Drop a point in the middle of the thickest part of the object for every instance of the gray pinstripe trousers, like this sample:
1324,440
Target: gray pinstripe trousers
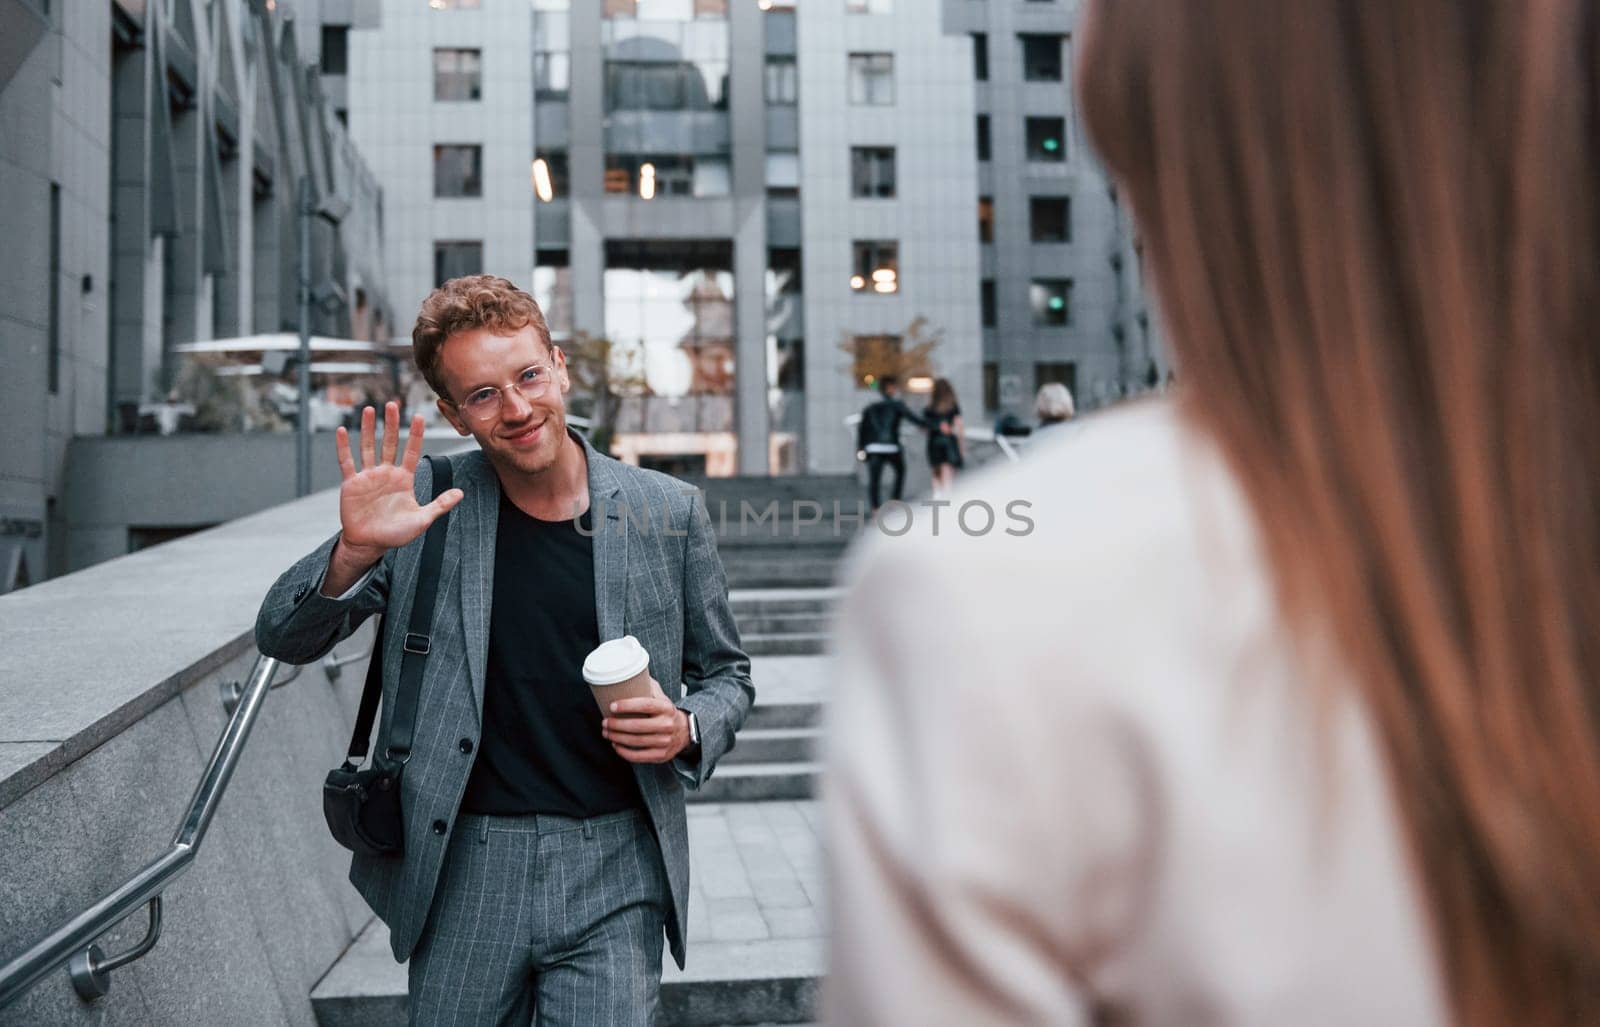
544,920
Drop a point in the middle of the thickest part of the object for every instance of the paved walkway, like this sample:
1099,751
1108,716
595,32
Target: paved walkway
755,895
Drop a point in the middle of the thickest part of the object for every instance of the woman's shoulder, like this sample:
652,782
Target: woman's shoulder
1127,533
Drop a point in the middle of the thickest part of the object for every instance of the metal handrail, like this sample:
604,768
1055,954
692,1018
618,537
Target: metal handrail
71,942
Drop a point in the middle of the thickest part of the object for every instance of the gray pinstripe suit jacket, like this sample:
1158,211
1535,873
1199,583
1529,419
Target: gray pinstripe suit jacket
665,587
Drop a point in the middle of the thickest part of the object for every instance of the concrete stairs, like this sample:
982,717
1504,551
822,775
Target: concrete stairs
783,532
773,759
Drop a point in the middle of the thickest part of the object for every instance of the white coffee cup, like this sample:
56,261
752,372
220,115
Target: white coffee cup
618,669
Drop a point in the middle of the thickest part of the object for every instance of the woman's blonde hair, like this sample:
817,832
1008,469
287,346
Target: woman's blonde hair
1054,403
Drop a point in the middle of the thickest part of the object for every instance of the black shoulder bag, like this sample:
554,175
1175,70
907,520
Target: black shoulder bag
362,807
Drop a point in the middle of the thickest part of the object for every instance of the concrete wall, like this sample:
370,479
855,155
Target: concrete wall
25,173
114,484
109,710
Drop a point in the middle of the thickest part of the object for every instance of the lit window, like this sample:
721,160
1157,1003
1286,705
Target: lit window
1051,299
876,266
1047,139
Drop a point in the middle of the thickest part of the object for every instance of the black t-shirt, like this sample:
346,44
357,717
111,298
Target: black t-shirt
542,751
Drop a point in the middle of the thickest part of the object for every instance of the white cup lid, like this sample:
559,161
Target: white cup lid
615,661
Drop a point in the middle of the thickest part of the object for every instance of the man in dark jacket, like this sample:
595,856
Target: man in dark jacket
878,439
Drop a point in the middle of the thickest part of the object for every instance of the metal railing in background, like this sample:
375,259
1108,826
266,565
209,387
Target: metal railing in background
71,944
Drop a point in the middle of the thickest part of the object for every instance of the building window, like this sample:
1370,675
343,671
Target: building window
1051,299
983,137
664,86
458,171
1041,57
783,174
872,79
53,317
550,175
872,172
552,290
876,266
1062,372
875,357
335,49
986,302
786,364
1047,139
454,259
783,81
991,385
986,219
1050,218
457,75
868,6
552,75
665,10
552,56
980,56
651,175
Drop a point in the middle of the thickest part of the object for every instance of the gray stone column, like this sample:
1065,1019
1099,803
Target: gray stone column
586,164
747,116
132,363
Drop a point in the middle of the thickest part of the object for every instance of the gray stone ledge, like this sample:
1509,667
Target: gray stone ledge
85,656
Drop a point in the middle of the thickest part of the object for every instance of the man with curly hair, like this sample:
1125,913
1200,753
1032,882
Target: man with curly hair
546,847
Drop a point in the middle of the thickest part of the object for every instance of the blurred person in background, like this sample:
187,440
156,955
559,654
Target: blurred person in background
1053,405
1292,713
947,447
878,440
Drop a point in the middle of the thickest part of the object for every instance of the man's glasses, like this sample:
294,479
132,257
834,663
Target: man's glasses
484,404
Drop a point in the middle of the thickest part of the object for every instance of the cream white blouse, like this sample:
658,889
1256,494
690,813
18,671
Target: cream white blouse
1078,766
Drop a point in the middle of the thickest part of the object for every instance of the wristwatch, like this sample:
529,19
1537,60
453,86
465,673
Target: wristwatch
694,728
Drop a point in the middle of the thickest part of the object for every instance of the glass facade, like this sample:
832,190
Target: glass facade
786,362
552,290
666,99
669,317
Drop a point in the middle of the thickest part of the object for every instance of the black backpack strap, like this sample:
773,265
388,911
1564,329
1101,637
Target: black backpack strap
414,650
